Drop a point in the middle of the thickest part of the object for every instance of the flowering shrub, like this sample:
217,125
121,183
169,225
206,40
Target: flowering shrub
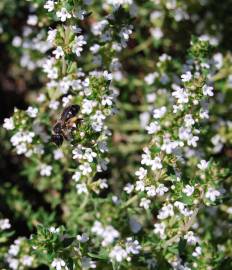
125,146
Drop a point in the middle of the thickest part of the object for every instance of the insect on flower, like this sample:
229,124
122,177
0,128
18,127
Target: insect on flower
65,125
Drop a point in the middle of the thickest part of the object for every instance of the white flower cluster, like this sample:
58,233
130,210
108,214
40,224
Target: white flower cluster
108,234
13,256
4,224
95,110
22,140
119,253
153,165
59,264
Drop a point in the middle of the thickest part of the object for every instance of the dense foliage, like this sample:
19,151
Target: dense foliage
122,159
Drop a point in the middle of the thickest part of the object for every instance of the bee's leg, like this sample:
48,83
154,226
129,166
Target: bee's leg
66,135
79,121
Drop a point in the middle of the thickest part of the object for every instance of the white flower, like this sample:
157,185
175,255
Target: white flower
32,112
204,114
197,252
95,48
85,168
27,260
87,106
203,165
22,137
161,189
109,234
146,158
97,228
164,57
189,121
191,238
89,154
66,100
118,254
32,20
159,113
166,211
64,85
17,41
49,5
78,44
102,145
107,100
14,249
76,177
63,14
83,238
103,183
58,52
132,247
59,264
186,77
159,229
81,188
141,173
207,90
144,119
193,141
218,60
125,34
107,75
188,190
53,229
13,263
153,128
151,97
77,153
58,154
128,188
5,224
179,205
212,194
139,186
9,123
145,203
151,191
87,263
54,104
157,33
156,163
150,78
45,170
181,95
51,35
184,133
168,146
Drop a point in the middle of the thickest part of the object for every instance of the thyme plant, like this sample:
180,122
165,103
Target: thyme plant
140,176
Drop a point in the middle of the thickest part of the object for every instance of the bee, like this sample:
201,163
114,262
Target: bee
65,125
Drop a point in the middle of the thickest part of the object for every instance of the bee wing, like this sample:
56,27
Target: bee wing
57,128
70,112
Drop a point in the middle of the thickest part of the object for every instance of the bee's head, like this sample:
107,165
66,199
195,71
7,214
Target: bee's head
74,109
